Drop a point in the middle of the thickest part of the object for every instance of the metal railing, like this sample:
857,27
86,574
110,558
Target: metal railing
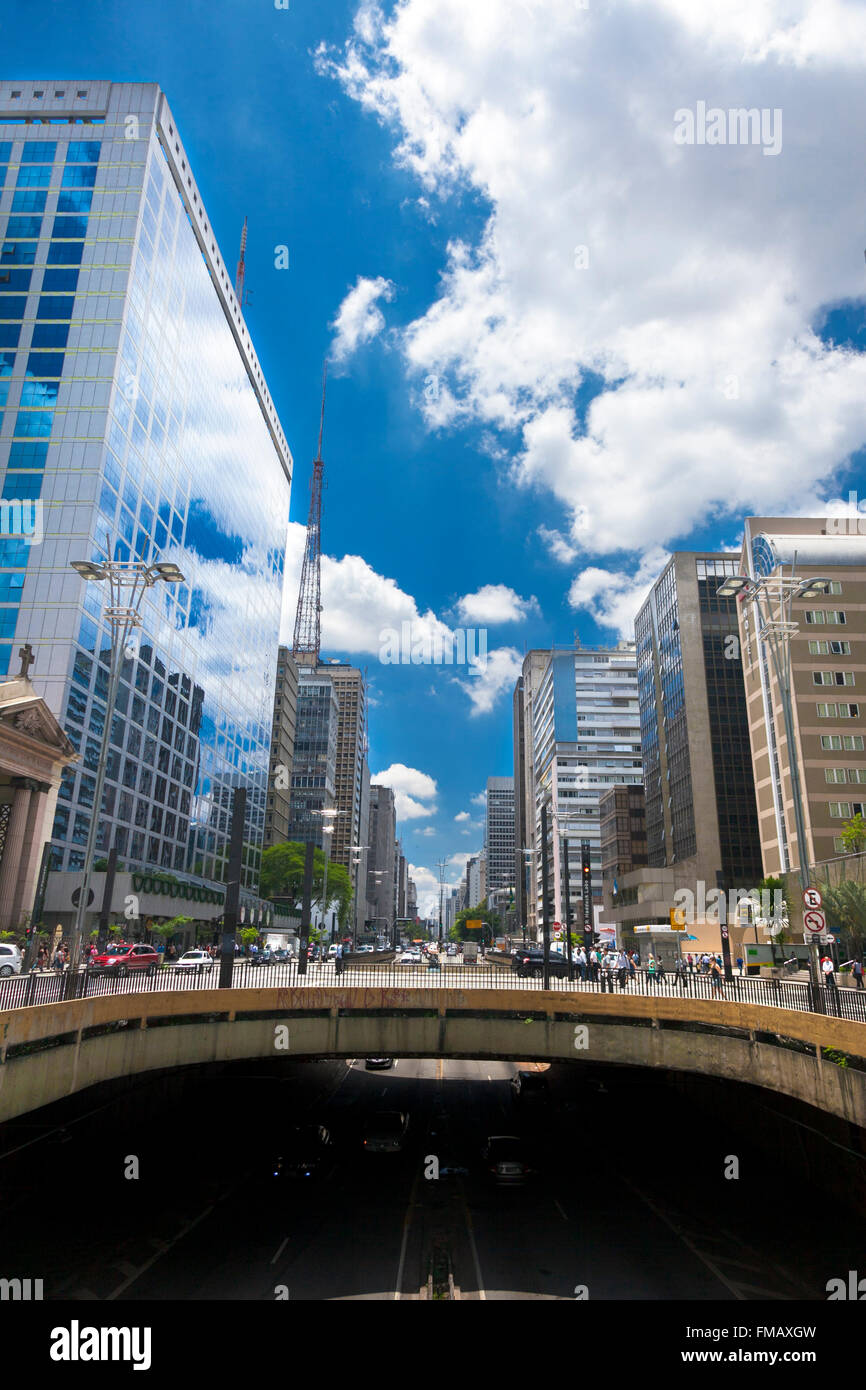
51,987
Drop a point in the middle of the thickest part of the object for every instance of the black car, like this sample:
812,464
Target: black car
530,1085
506,1159
378,1063
308,1152
529,960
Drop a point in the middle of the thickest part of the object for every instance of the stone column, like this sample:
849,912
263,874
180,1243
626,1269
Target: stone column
32,850
10,865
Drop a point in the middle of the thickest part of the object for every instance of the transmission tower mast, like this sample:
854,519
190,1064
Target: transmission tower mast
308,634
240,276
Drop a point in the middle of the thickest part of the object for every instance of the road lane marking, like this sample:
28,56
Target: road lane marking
158,1255
280,1251
407,1221
732,1288
474,1248
559,1209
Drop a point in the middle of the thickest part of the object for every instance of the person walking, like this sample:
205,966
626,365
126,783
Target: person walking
632,969
829,972
716,976
338,959
691,960
581,963
857,972
680,972
593,965
622,968
40,958
660,971
58,958
740,964
651,969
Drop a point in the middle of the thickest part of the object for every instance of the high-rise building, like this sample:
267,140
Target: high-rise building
136,415
283,730
700,794
499,834
381,874
476,879
622,833
315,760
585,738
526,691
411,899
828,675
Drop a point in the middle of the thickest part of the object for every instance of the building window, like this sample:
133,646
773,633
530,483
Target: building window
833,677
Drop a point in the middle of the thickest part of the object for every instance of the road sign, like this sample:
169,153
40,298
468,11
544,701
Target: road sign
812,897
813,920
558,934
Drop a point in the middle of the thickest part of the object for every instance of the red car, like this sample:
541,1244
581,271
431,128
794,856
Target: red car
123,960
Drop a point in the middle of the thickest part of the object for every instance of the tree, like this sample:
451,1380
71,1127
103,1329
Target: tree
772,885
854,835
845,906
460,931
282,877
167,929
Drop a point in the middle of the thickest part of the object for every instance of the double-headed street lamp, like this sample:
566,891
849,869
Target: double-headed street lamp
772,597
128,581
328,829
357,852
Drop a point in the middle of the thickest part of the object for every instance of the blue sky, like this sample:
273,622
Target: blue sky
568,344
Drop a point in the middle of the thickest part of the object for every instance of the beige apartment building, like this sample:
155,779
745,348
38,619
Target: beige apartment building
828,680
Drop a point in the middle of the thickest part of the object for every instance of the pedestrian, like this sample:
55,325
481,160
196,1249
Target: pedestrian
58,958
632,969
660,971
338,959
651,969
828,969
857,972
691,960
40,958
581,963
593,965
622,968
680,972
740,964
716,975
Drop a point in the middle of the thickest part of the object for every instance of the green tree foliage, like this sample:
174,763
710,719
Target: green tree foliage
282,877
854,835
460,931
845,906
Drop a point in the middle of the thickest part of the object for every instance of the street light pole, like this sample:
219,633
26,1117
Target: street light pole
545,903
135,577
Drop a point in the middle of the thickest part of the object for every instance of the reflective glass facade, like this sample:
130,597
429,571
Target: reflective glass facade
133,407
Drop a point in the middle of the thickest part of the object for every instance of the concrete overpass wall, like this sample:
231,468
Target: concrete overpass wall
49,1052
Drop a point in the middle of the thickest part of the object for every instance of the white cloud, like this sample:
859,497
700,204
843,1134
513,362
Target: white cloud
560,549
427,831
479,799
492,679
359,319
462,815
411,789
706,268
613,598
495,603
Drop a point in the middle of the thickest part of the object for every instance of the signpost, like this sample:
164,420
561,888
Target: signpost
814,921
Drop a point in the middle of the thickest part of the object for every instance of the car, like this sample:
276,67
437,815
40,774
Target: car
529,961
385,1131
409,958
123,959
333,949
506,1160
530,1085
307,1152
378,1063
11,959
195,960
452,950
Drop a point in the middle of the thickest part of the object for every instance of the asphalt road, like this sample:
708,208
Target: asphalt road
629,1200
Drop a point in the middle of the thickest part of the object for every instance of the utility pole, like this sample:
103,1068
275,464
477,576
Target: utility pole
545,898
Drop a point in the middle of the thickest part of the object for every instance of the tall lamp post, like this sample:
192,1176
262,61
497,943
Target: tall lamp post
327,829
357,853
442,863
772,597
527,872
127,581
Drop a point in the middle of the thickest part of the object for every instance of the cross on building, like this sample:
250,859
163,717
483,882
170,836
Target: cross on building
27,659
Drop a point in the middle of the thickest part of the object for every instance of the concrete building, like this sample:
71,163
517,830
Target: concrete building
499,834
476,879
283,730
411,899
584,737
315,759
828,676
352,779
701,815
136,411
401,879
525,848
381,874
622,833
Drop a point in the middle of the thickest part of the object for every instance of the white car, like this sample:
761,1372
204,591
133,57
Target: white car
195,960
10,959
409,958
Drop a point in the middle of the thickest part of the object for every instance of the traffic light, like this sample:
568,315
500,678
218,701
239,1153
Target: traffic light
28,933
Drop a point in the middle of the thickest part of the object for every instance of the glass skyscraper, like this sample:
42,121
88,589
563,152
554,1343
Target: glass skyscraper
134,409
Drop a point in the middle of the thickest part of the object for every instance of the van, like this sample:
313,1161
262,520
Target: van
11,959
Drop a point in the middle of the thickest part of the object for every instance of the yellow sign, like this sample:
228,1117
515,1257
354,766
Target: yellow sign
678,918
474,926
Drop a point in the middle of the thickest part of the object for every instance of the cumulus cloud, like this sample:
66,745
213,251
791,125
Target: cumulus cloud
559,548
613,599
462,815
411,790
636,318
492,679
495,603
359,319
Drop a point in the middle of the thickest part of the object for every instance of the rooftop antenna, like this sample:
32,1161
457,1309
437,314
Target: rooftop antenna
308,626
242,295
